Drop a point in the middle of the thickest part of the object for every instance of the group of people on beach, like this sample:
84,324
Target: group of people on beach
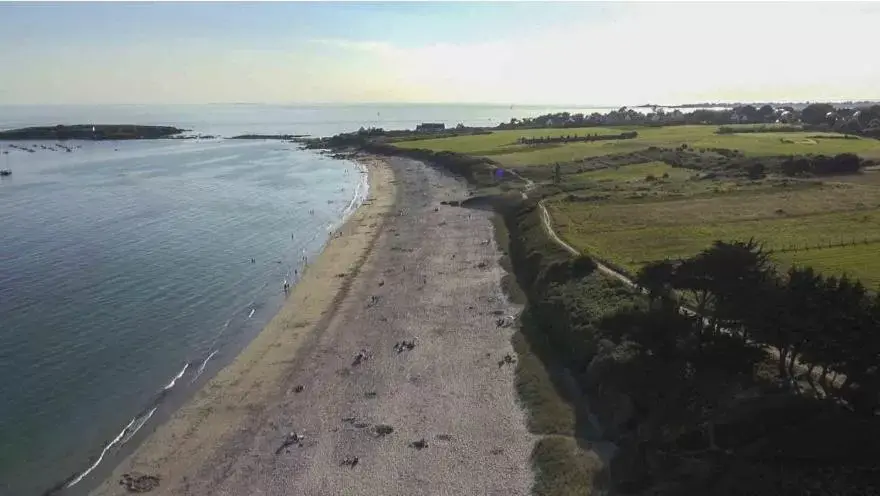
285,286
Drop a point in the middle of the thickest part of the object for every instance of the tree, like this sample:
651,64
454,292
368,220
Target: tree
748,112
815,113
755,171
656,278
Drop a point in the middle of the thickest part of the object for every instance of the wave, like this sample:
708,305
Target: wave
134,428
130,429
202,367
361,192
107,447
178,376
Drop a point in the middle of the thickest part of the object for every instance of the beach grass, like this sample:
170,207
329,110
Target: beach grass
503,147
562,468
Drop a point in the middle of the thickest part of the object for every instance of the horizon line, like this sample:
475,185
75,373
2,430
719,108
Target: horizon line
473,104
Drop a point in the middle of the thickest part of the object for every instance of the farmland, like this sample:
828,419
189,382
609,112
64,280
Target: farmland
503,146
639,212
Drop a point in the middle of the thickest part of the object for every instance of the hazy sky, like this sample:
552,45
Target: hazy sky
525,53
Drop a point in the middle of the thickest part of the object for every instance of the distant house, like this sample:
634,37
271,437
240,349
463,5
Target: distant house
430,127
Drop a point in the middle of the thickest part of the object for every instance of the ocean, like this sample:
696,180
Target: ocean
131,272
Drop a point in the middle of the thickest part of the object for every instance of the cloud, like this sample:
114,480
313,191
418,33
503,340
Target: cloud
635,53
655,52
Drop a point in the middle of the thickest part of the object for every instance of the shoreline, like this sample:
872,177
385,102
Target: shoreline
256,376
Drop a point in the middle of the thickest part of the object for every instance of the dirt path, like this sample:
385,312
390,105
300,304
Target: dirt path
548,226
432,279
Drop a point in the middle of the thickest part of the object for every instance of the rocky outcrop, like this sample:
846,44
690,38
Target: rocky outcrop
95,132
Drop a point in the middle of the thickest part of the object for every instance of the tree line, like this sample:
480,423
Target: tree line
829,324
863,121
571,139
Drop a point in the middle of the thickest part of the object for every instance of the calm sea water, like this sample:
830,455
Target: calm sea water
126,278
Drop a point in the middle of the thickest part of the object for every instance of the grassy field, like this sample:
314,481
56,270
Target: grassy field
502,146
620,214
636,172
635,233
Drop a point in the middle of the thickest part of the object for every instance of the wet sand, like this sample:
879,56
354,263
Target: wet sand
399,271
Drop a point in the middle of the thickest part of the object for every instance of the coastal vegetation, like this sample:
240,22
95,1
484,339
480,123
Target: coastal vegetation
671,191
95,132
730,404
766,230
505,147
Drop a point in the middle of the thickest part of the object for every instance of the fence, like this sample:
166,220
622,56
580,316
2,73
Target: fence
792,248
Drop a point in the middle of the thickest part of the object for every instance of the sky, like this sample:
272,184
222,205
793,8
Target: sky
621,53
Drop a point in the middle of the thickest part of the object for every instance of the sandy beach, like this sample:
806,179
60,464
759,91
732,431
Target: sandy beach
439,416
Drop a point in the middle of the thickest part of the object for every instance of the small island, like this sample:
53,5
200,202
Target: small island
288,137
94,132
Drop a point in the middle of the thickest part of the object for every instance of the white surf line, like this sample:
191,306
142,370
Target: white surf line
138,426
202,366
178,376
101,456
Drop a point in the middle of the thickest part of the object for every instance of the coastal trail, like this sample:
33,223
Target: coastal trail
399,386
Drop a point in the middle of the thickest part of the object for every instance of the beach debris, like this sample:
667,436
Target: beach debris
374,300
290,440
497,451
497,312
298,388
359,358
402,346
484,242
381,283
444,437
370,394
420,444
436,209
505,321
482,265
361,425
139,483
350,461
382,430
507,360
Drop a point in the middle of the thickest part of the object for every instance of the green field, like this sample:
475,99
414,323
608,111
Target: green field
633,234
636,213
502,146
636,172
